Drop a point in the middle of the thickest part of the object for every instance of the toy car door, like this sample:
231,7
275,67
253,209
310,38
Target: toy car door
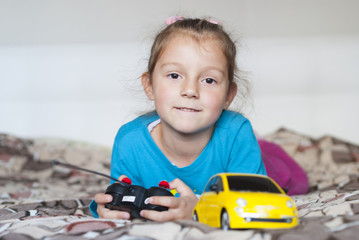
214,202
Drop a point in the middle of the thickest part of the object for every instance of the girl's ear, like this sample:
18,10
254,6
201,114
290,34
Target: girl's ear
232,92
147,85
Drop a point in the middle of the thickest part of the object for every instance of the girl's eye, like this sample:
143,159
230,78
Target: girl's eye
174,75
209,81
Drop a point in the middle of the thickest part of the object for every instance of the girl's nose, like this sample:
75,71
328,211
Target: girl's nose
189,89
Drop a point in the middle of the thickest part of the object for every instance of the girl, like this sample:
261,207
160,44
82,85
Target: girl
191,135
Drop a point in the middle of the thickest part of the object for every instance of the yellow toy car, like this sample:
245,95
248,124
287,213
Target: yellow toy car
243,201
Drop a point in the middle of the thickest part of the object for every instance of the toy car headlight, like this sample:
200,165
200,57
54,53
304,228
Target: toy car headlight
289,204
241,202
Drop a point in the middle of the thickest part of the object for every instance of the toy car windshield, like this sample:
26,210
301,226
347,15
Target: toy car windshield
249,183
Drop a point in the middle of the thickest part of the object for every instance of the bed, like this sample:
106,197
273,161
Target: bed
42,201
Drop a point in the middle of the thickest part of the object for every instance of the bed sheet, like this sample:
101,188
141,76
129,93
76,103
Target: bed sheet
40,201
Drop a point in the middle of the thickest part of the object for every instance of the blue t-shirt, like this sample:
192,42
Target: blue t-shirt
232,148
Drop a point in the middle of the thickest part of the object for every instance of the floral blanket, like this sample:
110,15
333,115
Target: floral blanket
42,201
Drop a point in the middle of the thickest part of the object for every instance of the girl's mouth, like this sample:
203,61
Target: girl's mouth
187,109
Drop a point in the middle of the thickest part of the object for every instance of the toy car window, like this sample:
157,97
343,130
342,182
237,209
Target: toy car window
248,183
210,183
214,181
219,183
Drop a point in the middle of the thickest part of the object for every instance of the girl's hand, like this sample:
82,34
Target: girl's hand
101,199
179,207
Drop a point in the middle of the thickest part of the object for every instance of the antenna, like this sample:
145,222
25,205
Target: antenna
56,162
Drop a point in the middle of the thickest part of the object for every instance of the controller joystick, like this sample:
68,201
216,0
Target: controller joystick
126,180
133,198
164,184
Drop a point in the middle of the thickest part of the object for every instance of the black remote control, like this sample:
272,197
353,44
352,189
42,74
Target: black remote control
134,198
127,197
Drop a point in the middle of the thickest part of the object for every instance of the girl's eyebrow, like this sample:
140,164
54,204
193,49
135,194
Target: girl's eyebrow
170,64
209,68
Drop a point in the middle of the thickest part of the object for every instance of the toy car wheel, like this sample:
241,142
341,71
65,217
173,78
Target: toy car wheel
225,220
195,216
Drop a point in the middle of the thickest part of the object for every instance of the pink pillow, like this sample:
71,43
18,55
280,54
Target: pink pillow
283,169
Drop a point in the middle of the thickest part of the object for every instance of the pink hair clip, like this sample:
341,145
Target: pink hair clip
213,21
173,19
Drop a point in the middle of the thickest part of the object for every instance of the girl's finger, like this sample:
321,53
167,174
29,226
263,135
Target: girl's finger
170,202
101,198
112,214
122,177
181,187
158,216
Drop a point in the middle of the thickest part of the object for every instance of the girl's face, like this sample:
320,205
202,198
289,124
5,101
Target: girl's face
190,85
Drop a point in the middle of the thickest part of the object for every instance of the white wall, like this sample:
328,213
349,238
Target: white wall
310,85
70,68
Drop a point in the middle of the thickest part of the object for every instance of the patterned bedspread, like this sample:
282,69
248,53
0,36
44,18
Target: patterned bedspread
42,201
